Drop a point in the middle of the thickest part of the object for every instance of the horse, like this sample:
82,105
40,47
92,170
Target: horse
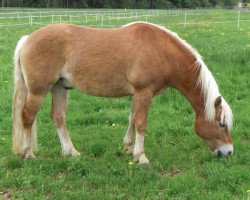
139,59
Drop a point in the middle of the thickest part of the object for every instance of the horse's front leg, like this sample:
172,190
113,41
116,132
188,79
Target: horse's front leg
141,103
58,113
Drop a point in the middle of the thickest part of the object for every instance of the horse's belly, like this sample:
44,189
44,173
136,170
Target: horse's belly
106,91
103,88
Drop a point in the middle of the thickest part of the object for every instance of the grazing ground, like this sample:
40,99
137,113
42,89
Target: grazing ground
182,166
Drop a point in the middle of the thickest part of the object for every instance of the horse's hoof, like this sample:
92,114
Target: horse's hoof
75,153
29,156
142,160
128,149
71,153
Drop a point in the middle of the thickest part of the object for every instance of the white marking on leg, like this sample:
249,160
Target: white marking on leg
128,143
66,144
26,146
128,139
139,154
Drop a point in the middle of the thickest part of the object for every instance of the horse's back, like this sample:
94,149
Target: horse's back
102,62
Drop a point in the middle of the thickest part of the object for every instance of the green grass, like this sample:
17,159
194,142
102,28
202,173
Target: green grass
182,166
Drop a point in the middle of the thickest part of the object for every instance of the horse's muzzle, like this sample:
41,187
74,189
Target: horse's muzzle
224,150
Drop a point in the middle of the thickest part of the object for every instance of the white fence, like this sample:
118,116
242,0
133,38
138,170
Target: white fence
106,18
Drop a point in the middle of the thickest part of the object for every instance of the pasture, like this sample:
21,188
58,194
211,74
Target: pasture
182,167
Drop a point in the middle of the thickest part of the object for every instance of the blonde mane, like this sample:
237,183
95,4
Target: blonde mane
210,91
209,87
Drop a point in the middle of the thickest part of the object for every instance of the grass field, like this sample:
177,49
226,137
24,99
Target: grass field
182,166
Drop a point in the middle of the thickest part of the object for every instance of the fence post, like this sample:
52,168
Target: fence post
102,22
31,20
239,18
185,20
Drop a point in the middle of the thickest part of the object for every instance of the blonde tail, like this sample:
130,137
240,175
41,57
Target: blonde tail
19,99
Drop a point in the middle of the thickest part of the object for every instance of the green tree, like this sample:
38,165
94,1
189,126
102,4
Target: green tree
186,4
230,2
205,3
128,4
163,4
195,4
143,4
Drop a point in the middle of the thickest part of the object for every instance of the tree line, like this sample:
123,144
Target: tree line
129,4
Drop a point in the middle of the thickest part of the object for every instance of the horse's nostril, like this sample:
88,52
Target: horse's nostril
219,153
229,153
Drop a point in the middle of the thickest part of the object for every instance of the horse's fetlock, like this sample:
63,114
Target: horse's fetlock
27,152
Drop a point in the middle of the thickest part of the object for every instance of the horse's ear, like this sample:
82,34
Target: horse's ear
217,101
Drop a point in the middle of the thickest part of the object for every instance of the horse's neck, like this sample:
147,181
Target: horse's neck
187,84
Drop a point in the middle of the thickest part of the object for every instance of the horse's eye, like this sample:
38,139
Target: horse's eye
223,125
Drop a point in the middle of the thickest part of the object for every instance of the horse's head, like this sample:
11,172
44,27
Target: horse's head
216,133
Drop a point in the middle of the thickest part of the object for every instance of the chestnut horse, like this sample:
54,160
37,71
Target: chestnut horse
139,59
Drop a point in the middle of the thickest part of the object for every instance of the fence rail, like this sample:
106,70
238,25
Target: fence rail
103,18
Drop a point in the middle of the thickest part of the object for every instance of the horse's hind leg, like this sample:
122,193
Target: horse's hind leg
29,112
141,103
58,114
128,141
